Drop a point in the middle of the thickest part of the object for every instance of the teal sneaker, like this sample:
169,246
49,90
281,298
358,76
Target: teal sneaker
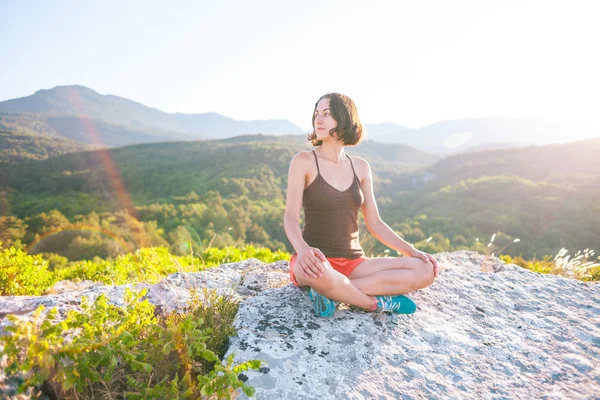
399,304
323,306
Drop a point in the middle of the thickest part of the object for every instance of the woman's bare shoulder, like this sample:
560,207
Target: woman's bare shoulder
360,162
302,157
300,163
362,167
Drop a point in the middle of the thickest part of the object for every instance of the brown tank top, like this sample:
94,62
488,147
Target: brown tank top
331,216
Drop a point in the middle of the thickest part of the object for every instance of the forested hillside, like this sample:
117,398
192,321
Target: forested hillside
219,192
544,195
233,191
15,147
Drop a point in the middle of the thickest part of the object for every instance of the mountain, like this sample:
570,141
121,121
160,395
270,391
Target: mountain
488,146
84,130
450,136
82,102
553,163
389,133
75,111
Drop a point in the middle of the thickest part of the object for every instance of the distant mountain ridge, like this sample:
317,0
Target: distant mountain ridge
553,163
80,101
85,130
127,122
466,134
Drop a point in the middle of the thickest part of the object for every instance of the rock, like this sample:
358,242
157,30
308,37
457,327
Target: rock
510,333
484,329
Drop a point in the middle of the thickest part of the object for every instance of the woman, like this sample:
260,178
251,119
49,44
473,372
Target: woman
332,187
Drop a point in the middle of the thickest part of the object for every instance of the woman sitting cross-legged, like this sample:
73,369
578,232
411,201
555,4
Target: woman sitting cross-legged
331,187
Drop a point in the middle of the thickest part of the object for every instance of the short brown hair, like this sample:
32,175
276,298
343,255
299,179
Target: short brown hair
343,110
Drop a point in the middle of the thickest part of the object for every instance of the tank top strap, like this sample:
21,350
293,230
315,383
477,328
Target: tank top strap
352,165
315,154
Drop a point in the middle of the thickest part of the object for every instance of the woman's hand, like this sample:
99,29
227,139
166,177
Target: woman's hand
427,258
310,260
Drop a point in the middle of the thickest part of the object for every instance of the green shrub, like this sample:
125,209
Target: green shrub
155,263
22,274
145,265
106,351
594,275
55,260
217,256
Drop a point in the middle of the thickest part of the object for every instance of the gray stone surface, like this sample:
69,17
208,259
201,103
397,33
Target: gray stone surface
504,333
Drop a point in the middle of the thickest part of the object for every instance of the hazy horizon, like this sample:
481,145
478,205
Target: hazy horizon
407,64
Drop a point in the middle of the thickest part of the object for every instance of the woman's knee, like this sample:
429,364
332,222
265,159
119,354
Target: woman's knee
424,274
323,282
326,281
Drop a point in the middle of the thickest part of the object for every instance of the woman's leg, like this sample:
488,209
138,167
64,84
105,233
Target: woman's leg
336,286
392,275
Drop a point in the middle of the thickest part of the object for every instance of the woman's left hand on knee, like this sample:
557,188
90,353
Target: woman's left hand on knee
427,258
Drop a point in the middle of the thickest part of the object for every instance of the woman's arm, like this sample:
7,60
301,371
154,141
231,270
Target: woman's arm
380,229
309,258
293,204
375,224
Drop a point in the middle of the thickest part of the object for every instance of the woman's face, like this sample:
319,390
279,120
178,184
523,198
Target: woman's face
324,121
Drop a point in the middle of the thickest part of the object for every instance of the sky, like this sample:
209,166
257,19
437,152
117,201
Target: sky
411,63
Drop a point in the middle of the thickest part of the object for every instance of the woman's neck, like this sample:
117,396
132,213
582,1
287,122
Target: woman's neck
334,153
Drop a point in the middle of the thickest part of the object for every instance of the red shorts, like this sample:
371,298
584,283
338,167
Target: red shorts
344,266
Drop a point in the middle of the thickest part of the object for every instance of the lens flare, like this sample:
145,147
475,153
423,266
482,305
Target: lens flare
113,174
457,139
82,227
